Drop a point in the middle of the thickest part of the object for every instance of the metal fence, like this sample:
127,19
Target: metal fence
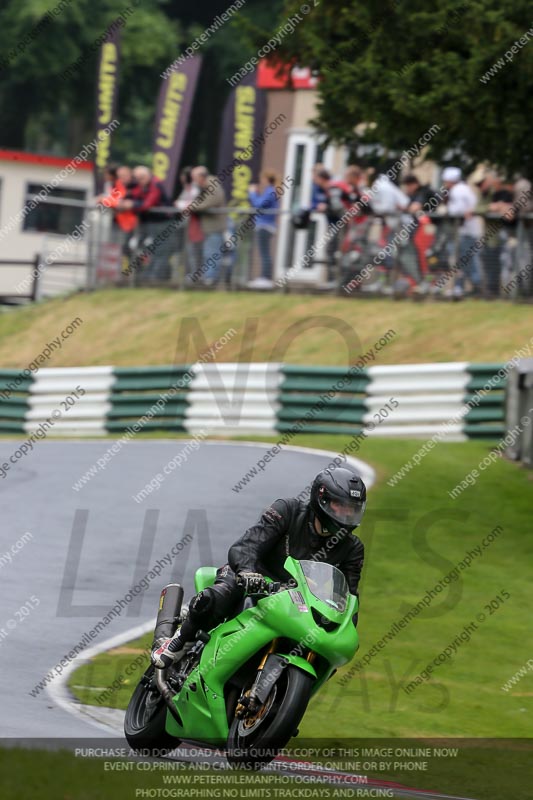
395,255
172,250
366,255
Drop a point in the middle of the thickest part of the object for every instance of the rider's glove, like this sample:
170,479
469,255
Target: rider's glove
253,582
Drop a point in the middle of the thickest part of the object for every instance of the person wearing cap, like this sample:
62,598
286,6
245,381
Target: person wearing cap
462,202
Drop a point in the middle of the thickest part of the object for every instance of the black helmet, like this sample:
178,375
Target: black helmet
338,498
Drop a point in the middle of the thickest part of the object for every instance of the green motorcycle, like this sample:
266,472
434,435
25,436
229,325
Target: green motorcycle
245,685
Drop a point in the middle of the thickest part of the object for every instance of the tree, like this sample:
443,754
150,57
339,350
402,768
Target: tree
44,112
224,53
405,66
38,49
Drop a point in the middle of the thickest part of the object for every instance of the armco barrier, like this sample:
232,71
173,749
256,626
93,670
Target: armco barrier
237,398
87,415
14,400
486,417
428,395
159,394
304,397
260,398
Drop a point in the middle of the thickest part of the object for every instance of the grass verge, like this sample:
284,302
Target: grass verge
36,774
154,326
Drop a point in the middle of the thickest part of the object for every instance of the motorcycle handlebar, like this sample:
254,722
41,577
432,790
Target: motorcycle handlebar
270,588
276,586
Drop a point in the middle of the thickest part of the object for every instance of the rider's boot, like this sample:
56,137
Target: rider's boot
168,651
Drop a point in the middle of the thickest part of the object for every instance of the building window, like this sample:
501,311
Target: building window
50,217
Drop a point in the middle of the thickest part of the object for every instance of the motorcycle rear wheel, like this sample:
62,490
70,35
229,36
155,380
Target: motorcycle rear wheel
250,744
144,723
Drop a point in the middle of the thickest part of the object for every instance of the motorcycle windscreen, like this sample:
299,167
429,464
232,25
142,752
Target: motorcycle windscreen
327,583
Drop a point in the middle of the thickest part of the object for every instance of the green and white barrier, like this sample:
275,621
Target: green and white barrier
14,400
155,396
241,398
427,397
84,413
259,398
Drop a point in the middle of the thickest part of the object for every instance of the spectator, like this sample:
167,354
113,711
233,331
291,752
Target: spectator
387,200
369,176
318,195
354,192
494,199
320,192
345,193
523,203
147,195
412,254
355,182
331,198
120,181
418,195
355,247
192,234
210,198
462,202
264,198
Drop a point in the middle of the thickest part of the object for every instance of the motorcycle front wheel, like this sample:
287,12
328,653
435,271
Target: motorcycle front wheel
144,723
254,741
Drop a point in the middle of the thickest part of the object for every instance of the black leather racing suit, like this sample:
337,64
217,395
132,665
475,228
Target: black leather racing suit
285,528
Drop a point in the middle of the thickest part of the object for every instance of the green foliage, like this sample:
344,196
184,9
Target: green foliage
225,53
46,112
407,66
32,90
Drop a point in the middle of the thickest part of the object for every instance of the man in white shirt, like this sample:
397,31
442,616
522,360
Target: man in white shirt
386,198
387,201
462,201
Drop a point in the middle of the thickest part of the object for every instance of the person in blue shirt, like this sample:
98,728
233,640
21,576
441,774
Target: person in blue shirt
265,199
319,191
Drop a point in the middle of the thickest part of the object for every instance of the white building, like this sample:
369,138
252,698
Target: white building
30,231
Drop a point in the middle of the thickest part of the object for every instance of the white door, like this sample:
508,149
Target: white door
303,152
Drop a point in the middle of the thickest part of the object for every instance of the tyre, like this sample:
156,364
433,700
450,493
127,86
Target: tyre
144,723
252,743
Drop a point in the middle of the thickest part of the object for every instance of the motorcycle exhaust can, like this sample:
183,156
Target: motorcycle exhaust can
169,611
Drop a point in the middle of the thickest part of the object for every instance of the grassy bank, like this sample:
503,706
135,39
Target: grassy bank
150,326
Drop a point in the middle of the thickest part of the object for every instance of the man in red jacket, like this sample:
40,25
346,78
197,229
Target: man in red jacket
148,199
121,180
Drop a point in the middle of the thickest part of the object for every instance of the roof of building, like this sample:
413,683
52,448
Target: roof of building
42,160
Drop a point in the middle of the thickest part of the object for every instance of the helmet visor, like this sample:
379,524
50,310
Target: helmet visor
345,512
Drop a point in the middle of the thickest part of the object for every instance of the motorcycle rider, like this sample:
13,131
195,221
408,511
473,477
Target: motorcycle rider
320,530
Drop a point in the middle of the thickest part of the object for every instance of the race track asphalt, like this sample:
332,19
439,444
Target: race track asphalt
89,547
